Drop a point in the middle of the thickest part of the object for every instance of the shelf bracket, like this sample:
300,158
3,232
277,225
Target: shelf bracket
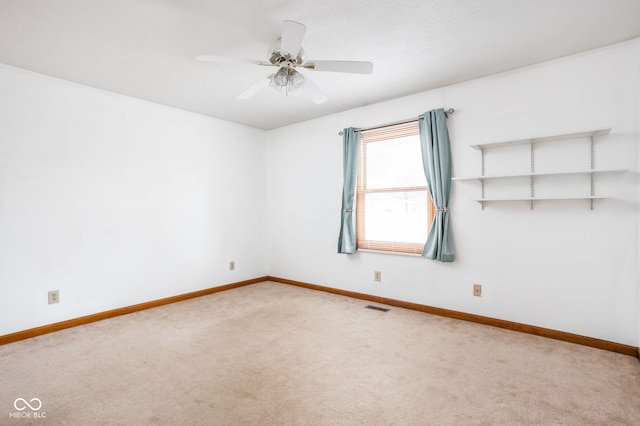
593,164
531,178
482,174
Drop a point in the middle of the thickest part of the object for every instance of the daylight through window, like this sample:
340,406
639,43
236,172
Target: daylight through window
394,210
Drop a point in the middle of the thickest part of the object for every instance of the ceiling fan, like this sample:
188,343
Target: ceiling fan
287,55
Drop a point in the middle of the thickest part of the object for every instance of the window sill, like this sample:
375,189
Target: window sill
397,253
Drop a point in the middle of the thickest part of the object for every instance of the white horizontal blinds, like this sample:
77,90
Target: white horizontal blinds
391,132
393,207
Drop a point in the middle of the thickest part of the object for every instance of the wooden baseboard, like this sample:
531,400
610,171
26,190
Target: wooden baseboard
50,328
523,328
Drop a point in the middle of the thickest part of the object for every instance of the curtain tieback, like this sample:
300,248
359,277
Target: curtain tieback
348,211
444,209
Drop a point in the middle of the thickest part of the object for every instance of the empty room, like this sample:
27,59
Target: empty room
421,212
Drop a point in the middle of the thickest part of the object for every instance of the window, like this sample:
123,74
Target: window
394,210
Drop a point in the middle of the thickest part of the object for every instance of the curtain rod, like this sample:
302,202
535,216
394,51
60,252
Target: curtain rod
396,123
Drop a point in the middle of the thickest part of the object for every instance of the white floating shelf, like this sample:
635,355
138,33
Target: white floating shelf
589,133
562,173
532,174
484,200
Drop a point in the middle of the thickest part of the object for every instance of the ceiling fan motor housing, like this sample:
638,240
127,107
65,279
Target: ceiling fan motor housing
285,60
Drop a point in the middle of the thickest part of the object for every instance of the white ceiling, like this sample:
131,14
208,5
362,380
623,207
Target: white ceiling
146,48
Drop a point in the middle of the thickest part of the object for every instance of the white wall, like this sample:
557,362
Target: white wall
638,224
560,265
116,201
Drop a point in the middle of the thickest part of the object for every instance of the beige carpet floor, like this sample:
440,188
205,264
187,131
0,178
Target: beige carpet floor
273,354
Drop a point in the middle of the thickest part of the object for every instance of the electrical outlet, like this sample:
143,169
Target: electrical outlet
377,276
477,290
232,265
54,297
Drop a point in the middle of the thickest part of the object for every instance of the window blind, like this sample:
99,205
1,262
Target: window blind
393,207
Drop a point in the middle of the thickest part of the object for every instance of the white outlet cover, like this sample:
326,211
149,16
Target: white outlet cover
54,297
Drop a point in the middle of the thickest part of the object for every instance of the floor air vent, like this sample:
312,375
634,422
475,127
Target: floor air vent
377,308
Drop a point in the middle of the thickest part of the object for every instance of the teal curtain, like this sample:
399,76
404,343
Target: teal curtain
347,238
436,160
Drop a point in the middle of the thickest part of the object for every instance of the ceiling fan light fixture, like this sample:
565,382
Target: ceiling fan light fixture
296,80
281,78
287,79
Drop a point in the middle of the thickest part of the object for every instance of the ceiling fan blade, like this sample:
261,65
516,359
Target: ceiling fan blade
314,92
291,40
255,87
214,58
355,67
